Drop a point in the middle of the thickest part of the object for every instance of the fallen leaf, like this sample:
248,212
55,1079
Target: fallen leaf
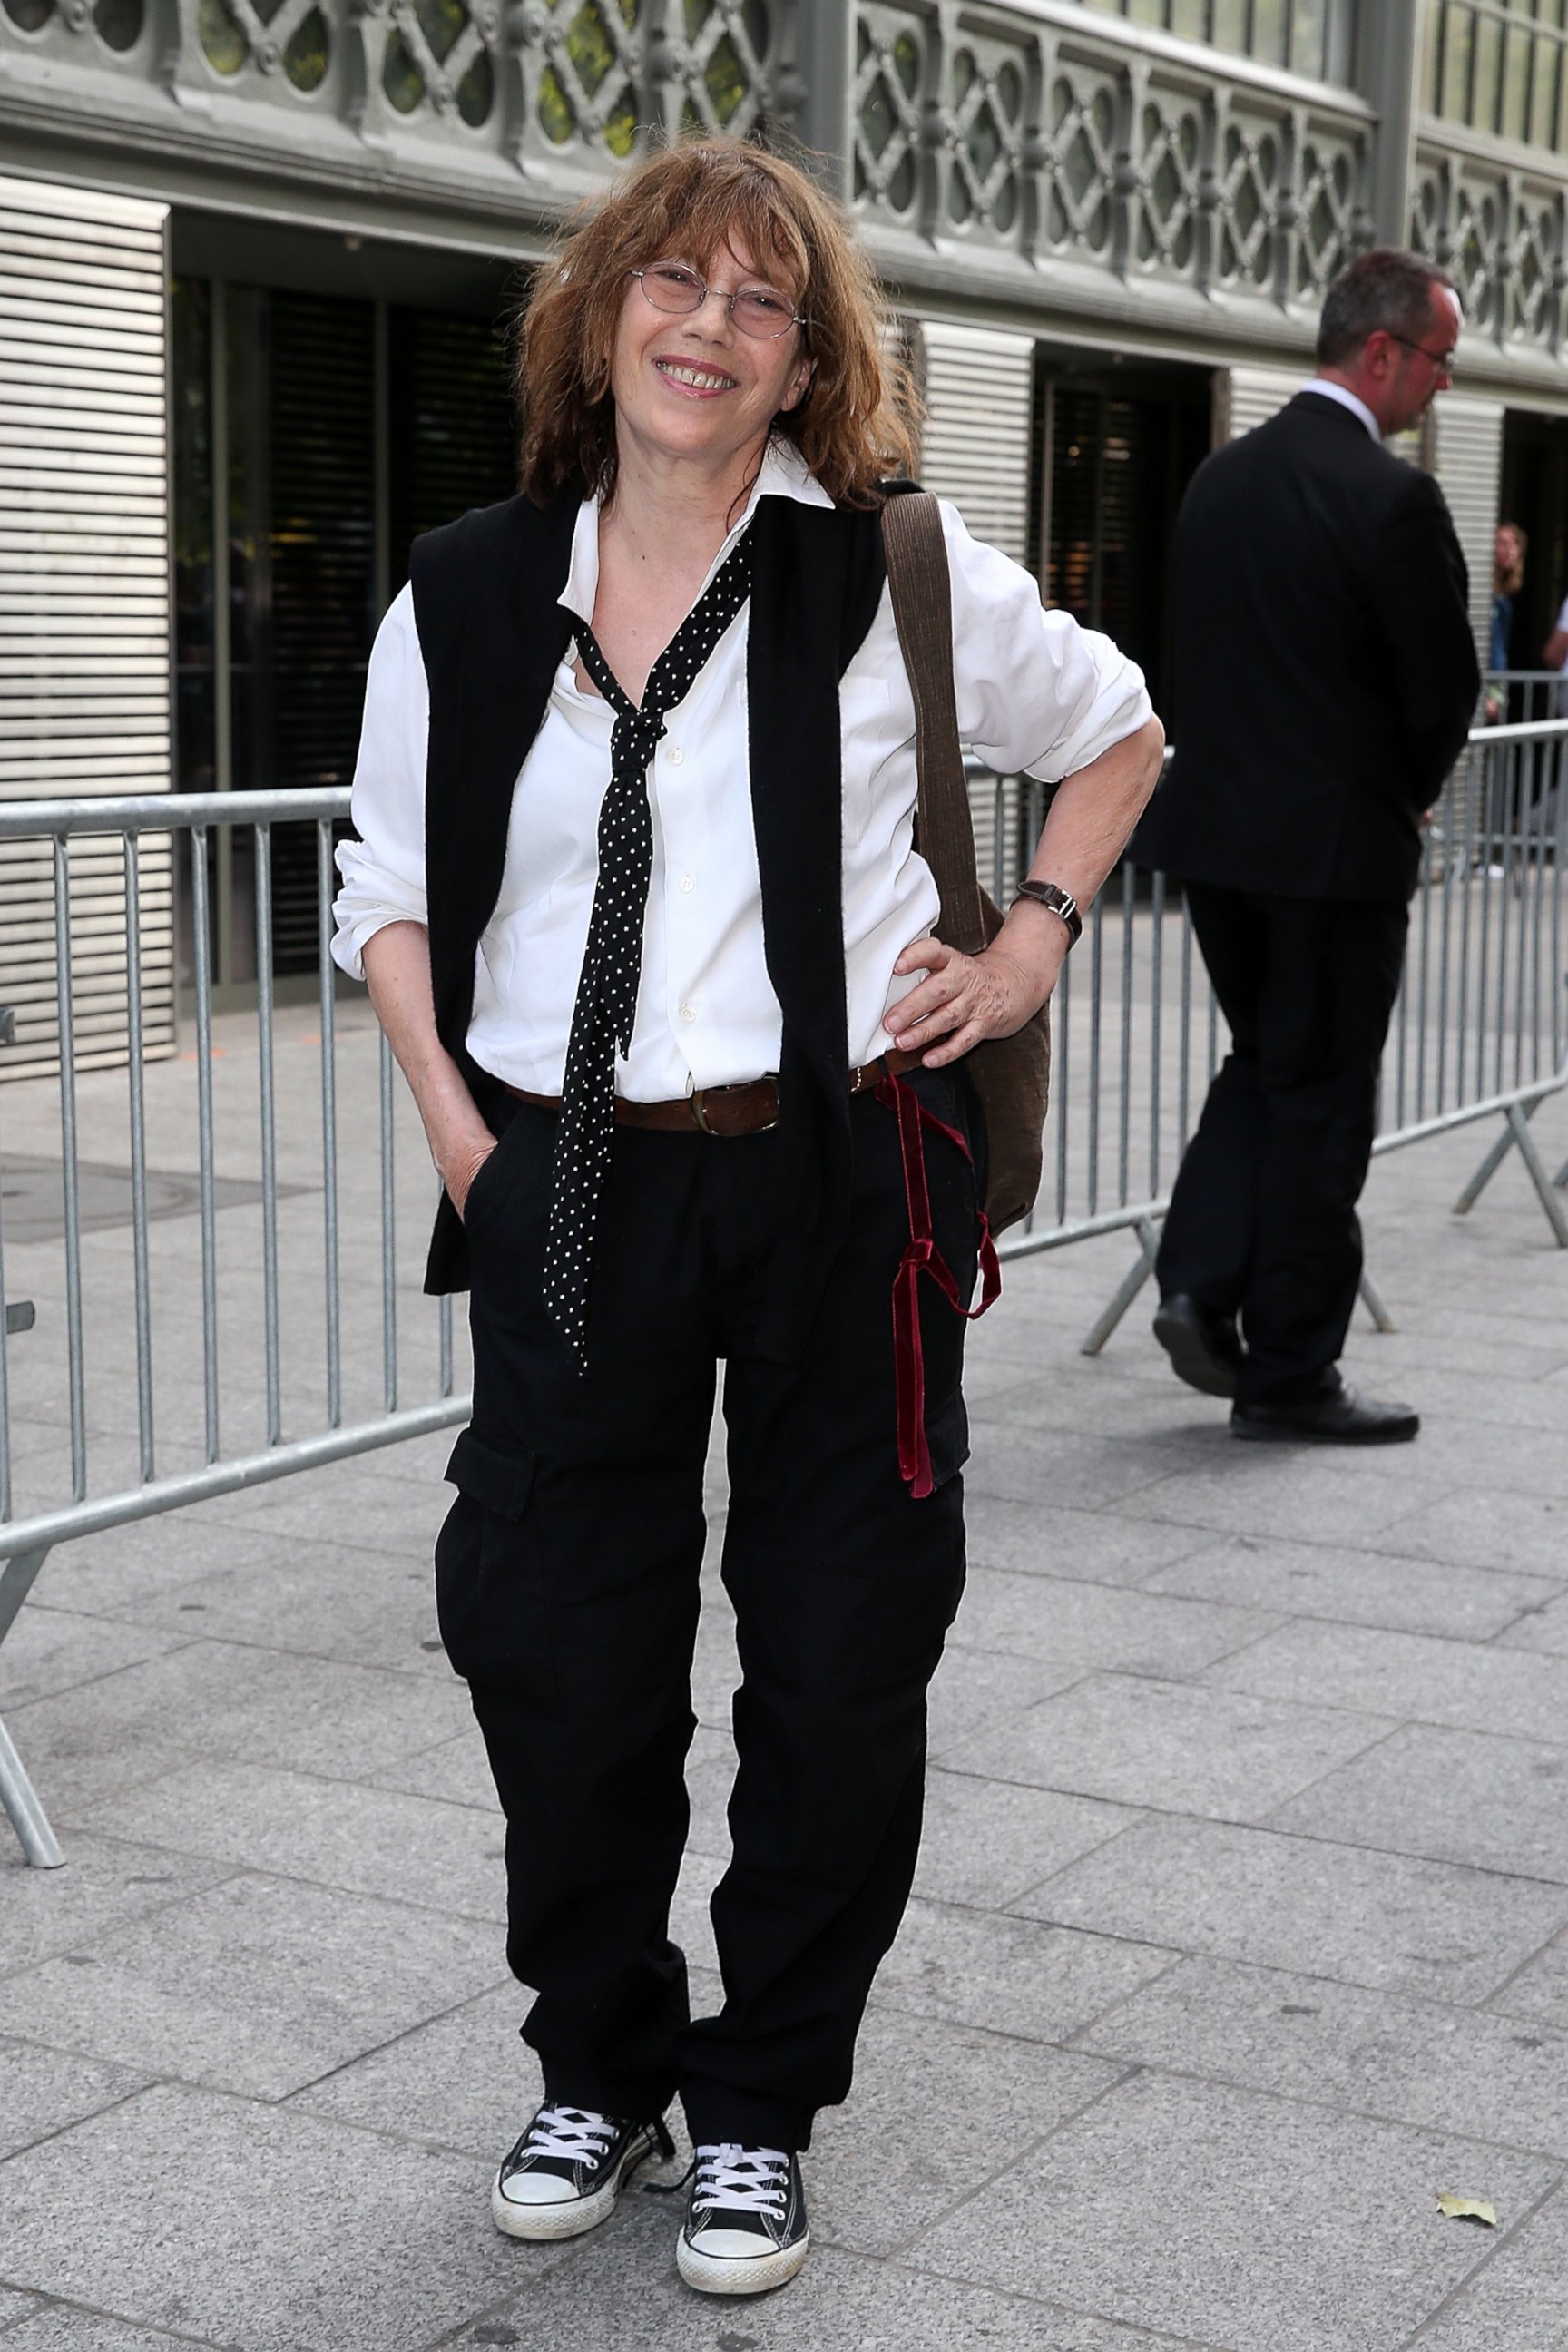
1467,2209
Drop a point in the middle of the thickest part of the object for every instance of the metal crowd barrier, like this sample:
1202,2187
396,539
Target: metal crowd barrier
232,1305
1478,1033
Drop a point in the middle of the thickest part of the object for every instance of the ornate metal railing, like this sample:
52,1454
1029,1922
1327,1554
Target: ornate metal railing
1498,220
1026,148
1036,139
563,88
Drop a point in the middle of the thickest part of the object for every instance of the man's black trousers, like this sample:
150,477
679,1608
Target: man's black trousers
567,1579
1262,1218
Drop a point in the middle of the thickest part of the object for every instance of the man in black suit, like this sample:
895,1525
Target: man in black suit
1325,681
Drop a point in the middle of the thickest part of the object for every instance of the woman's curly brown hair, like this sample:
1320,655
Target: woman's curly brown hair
688,202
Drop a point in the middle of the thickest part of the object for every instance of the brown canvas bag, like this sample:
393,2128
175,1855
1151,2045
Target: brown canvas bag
1010,1075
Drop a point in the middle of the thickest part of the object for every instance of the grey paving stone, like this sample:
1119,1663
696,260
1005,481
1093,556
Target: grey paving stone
1008,1975
363,1513
618,2289
106,1881
1515,2303
987,1840
50,1649
272,2197
1543,1628
1458,1796
974,1689
908,2148
15,2307
368,1840
1065,1466
1141,1742
464,2080
1375,1919
1360,1587
46,2089
223,1699
1097,1546
1071,1624
707,1789
1288,1488
1406,1676
258,1986
1488,1527
715,1668
58,2327
314,1598
126,1570
1239,2219
1377,2053
454,1770
1541,1988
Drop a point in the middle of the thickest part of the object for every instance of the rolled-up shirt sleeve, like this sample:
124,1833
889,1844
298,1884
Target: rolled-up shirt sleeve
1037,695
382,872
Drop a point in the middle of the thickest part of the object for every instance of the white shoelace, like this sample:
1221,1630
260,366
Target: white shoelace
575,2133
755,2180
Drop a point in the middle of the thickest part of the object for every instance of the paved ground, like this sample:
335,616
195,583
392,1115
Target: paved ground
1242,1925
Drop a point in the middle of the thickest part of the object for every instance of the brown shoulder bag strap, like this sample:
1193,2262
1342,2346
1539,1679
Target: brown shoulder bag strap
921,592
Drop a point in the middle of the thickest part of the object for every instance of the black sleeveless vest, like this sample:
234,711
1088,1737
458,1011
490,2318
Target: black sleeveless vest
492,635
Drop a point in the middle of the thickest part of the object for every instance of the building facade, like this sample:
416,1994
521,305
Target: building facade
258,260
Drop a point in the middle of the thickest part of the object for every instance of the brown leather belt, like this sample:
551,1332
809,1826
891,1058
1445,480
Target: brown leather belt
748,1109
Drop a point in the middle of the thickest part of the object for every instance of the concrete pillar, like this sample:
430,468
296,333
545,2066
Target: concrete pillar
1387,60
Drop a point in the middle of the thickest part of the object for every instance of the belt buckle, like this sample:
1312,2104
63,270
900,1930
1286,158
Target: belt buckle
699,1111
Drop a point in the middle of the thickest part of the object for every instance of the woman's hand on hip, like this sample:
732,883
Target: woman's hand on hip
963,1000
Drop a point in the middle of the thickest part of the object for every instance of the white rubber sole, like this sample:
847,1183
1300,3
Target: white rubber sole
547,2223
745,2274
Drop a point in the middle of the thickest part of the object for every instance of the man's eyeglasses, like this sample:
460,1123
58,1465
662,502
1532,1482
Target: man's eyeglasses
757,311
1442,361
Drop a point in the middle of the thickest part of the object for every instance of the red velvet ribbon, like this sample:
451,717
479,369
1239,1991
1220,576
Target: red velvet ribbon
922,1256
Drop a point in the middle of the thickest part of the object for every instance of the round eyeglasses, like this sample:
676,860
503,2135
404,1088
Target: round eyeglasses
757,311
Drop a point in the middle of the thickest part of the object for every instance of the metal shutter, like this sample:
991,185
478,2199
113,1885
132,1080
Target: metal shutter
454,428
1464,441
84,598
974,449
1248,397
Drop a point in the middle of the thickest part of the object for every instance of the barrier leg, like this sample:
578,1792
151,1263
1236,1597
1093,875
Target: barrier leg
1536,1167
1371,1300
1127,1289
1516,1132
28,1818
17,1794
1486,1172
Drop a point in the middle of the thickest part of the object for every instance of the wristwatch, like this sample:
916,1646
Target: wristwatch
1057,901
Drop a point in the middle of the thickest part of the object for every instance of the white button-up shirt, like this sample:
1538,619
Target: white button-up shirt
1326,390
1035,691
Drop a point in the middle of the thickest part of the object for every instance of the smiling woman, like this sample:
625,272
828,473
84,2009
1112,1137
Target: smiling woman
702,207
641,909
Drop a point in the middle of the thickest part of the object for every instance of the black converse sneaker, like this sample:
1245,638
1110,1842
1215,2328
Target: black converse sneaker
745,2226
566,2171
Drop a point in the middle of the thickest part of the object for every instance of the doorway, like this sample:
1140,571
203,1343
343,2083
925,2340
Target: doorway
1116,445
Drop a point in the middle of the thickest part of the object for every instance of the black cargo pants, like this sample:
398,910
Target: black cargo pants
567,1577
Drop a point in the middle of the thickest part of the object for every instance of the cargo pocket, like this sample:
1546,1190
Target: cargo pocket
489,1597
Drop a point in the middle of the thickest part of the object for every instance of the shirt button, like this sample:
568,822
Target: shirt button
686,883
675,755
689,1012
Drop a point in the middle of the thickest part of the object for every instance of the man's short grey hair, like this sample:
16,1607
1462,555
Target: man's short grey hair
1386,288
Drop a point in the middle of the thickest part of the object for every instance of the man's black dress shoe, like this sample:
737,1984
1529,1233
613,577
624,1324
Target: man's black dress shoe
1338,1417
1204,1347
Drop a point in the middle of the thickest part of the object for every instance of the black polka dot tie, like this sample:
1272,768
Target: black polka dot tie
607,1001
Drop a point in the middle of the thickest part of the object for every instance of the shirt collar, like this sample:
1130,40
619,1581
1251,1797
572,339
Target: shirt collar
1347,399
783,474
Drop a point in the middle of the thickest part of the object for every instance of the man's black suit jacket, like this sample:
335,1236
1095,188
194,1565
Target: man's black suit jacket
1325,673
